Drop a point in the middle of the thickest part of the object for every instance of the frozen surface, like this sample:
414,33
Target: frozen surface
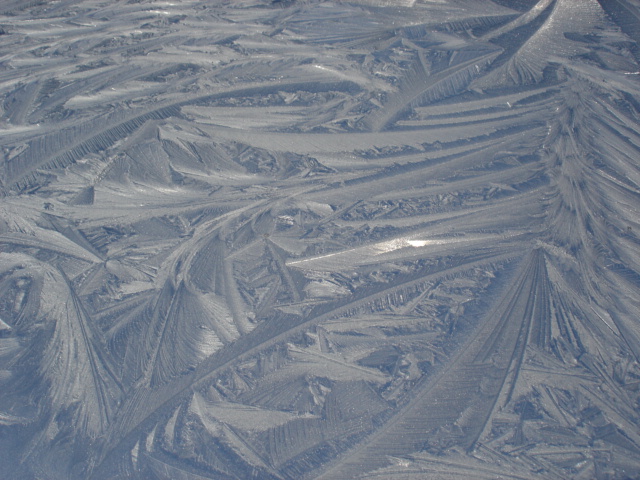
320,239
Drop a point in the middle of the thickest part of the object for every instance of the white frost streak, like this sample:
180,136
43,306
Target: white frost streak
368,254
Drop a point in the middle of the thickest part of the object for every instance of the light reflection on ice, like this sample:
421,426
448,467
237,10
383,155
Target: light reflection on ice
363,252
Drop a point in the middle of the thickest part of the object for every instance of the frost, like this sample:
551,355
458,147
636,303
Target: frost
320,239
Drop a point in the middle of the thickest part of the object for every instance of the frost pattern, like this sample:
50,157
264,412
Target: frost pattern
337,239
